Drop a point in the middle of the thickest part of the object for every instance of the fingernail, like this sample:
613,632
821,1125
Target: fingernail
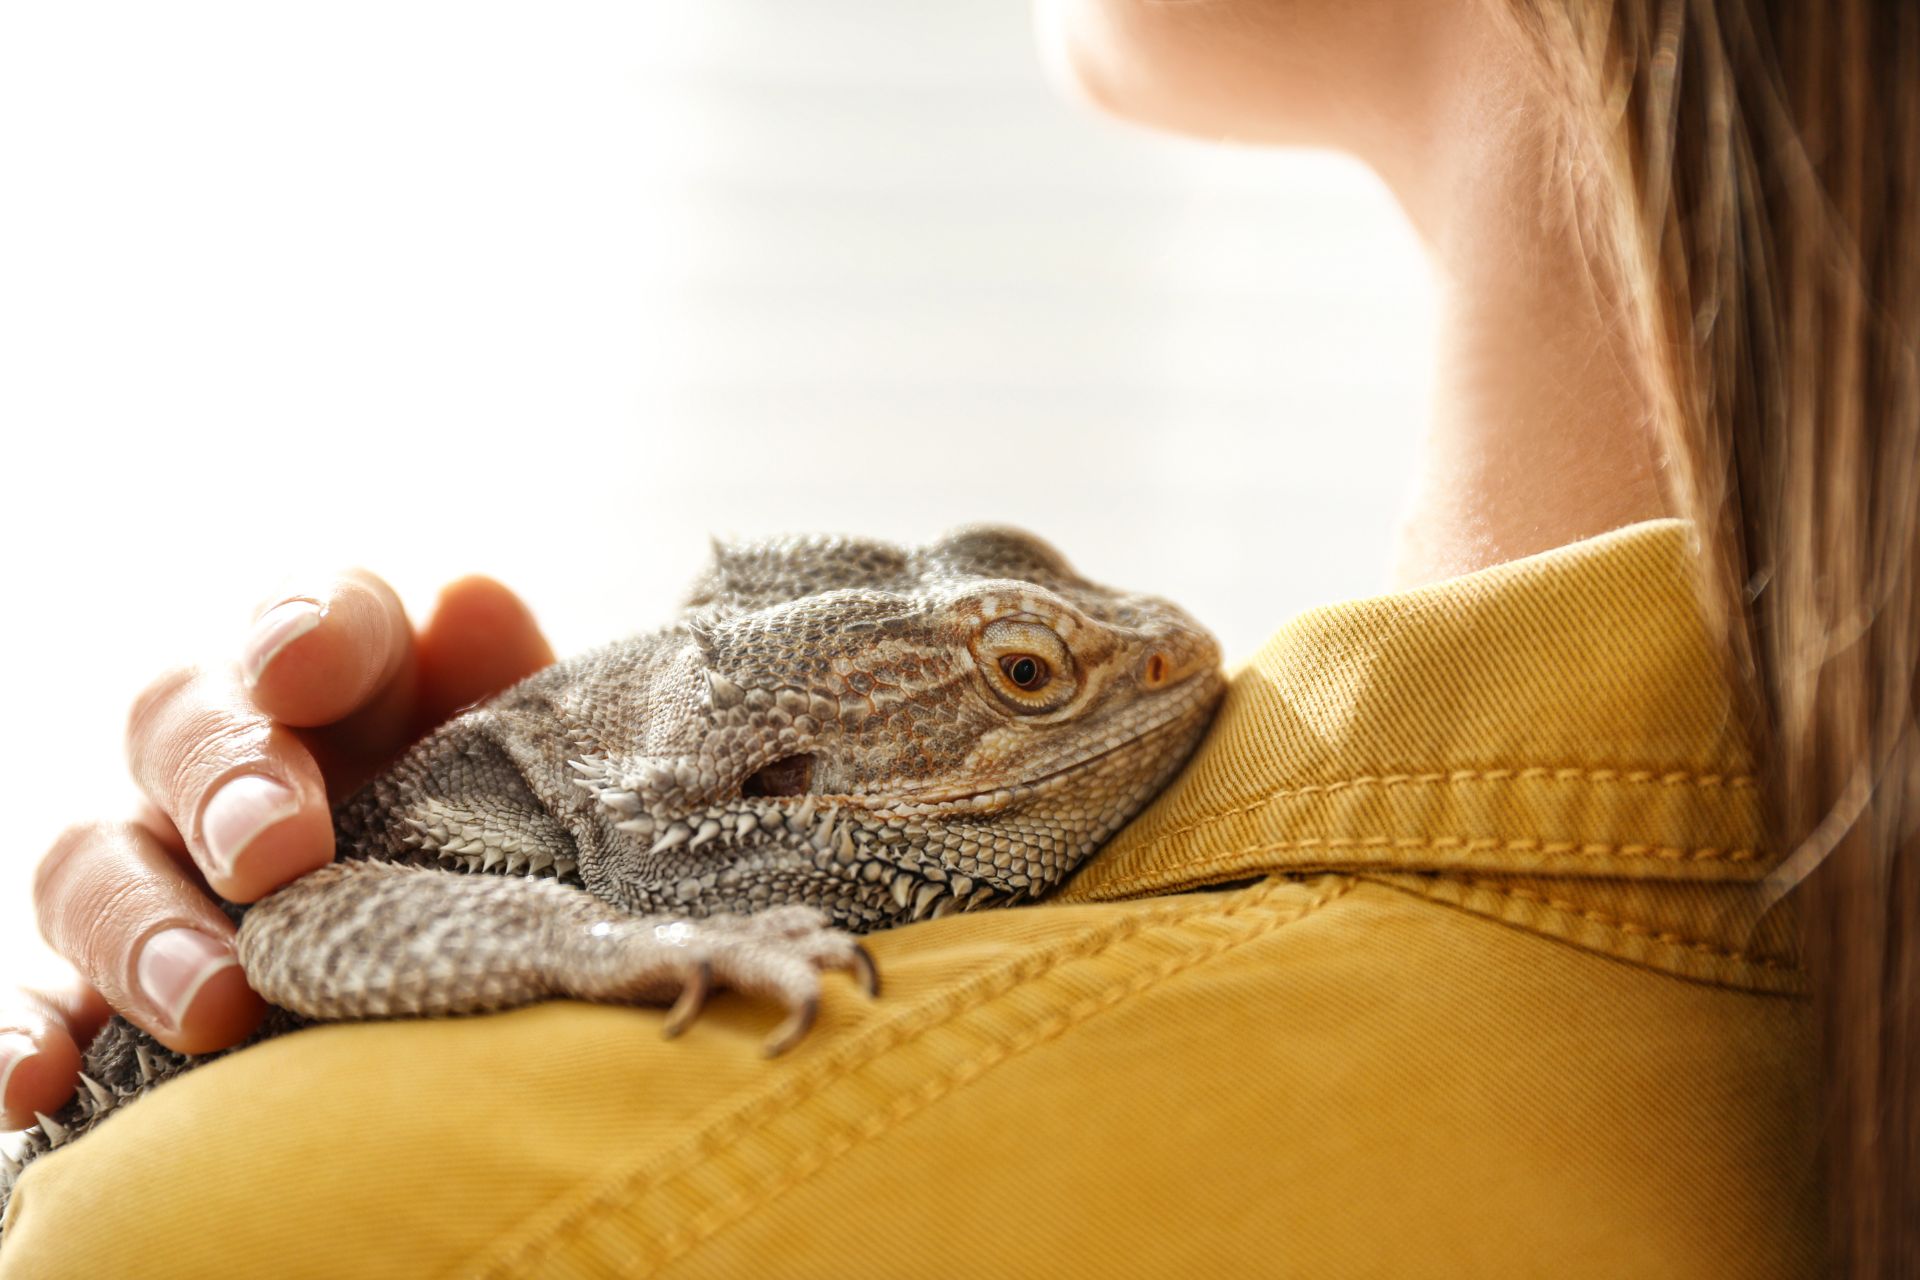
238,812
277,628
14,1050
174,965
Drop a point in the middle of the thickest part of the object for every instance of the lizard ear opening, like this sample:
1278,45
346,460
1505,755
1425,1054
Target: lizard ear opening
788,776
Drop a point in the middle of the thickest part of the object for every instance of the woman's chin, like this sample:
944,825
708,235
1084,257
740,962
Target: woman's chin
1191,69
1083,58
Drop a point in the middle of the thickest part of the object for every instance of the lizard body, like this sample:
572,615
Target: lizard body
837,735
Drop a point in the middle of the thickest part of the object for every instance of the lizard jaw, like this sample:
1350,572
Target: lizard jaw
875,858
869,861
752,854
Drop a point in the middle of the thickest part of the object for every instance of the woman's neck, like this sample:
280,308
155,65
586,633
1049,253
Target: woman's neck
1541,429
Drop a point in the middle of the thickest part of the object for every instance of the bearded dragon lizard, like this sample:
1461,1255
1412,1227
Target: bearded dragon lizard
836,736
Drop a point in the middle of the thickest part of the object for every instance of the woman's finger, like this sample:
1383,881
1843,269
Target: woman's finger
127,916
337,661
344,664
319,657
39,1062
479,639
244,792
42,1036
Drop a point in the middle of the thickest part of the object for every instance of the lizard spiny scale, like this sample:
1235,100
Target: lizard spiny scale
830,740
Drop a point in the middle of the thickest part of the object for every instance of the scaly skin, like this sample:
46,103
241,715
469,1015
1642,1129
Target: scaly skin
837,736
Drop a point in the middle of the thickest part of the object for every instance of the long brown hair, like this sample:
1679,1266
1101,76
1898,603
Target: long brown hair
1757,165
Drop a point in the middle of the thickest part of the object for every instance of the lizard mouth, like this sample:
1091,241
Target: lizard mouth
890,869
1180,713
791,777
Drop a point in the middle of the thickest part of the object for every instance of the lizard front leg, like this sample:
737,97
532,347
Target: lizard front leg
380,940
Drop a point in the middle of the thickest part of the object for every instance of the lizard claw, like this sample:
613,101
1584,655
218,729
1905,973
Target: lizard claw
865,972
790,1032
693,998
776,956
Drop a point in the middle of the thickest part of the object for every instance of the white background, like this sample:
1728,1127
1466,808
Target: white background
553,291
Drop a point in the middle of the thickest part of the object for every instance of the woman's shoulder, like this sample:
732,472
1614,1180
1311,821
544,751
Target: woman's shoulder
1276,1076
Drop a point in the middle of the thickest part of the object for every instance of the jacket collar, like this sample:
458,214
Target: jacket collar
1566,715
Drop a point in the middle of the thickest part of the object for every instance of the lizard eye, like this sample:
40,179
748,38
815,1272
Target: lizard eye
1028,667
1025,670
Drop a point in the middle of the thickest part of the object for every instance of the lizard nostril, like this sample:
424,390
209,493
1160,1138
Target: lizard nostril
788,776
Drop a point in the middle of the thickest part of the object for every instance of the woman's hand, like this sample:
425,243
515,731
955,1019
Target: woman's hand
238,766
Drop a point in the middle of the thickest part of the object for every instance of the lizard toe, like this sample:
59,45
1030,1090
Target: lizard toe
693,998
865,971
799,1021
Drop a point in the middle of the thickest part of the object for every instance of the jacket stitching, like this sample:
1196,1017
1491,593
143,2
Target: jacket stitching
1529,773
837,1144
857,1052
616,1195
1629,927
1552,923
1193,871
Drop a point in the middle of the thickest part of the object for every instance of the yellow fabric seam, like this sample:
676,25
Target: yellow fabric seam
1630,927
838,1143
863,1048
862,1051
1429,887
1521,845
1704,781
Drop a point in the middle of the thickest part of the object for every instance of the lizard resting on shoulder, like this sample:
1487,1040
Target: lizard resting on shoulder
837,735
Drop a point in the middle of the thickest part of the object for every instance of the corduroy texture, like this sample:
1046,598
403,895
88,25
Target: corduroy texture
1493,1005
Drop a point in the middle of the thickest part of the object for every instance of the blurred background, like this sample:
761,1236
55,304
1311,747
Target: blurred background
553,292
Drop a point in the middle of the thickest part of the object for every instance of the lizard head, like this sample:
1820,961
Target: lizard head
891,733
884,733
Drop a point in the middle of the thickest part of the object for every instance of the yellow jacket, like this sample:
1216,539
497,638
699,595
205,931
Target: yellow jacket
1473,988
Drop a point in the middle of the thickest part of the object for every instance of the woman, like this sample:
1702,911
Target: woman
1517,986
